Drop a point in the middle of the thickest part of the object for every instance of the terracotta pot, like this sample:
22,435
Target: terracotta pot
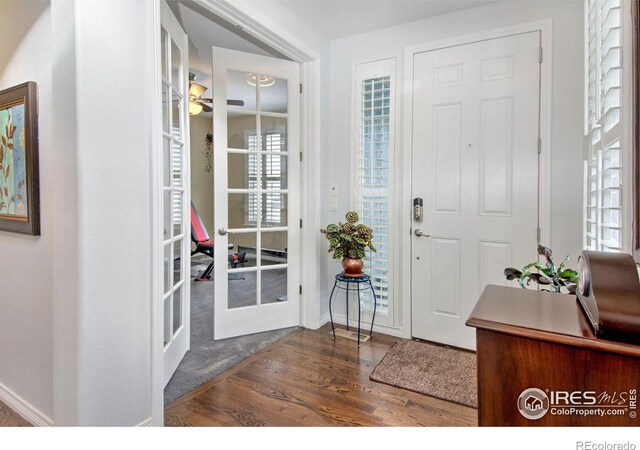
353,267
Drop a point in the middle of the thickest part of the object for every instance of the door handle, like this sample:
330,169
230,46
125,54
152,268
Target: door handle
222,231
418,232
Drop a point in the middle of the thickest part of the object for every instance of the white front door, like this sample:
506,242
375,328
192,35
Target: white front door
175,191
475,165
257,194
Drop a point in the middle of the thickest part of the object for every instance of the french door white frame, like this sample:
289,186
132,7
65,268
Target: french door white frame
281,40
404,209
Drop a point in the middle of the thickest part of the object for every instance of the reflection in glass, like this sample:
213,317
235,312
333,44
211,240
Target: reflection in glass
273,98
166,265
176,163
175,115
274,134
239,89
175,66
241,131
163,51
274,210
273,287
165,108
167,214
177,309
167,320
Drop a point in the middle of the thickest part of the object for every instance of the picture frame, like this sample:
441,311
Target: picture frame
19,173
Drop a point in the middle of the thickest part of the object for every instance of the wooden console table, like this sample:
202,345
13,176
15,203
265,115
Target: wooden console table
530,339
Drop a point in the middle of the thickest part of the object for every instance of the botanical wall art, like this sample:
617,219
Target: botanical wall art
19,187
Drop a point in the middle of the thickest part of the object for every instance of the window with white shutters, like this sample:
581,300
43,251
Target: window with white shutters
603,169
373,169
273,168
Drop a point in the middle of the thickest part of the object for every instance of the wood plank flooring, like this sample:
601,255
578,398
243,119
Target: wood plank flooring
307,379
8,418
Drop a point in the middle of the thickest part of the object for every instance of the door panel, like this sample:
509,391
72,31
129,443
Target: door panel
254,208
475,135
175,182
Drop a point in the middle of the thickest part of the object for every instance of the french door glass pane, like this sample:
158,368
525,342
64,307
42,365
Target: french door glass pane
242,289
163,51
167,215
274,246
274,133
273,94
274,210
165,108
176,164
273,286
274,171
241,131
177,309
242,170
166,162
175,115
176,56
177,262
167,320
239,88
242,210
243,243
167,265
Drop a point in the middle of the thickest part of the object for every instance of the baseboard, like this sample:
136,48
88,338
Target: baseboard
146,423
341,319
23,408
324,319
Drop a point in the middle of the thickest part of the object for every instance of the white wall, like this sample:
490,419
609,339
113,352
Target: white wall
103,65
567,103
26,365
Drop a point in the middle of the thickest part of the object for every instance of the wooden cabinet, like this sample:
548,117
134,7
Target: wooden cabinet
529,339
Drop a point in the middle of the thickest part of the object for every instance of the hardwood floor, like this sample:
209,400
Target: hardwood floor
307,379
8,418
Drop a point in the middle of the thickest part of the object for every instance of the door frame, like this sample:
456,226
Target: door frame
242,16
544,211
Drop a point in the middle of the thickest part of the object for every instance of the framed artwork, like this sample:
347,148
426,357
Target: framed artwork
19,183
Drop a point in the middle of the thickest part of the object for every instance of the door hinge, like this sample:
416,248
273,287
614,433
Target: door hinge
300,289
540,55
301,88
538,235
539,145
300,156
300,223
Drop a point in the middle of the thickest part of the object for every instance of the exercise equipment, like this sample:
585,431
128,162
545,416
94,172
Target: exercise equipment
204,245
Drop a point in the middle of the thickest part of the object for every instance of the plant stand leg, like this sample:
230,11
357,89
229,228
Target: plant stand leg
347,303
375,304
359,308
333,328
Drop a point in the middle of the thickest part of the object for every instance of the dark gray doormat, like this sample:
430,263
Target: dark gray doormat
442,372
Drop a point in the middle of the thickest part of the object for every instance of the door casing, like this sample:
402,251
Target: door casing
404,209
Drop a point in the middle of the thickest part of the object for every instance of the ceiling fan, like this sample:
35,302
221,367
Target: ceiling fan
197,104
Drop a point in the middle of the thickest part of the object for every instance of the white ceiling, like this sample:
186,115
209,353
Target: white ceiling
334,19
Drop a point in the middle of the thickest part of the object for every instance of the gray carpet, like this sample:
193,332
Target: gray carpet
435,370
208,358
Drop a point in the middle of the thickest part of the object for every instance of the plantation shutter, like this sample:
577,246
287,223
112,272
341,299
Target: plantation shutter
176,170
273,168
373,166
603,183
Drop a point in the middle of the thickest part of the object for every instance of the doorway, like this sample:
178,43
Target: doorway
476,130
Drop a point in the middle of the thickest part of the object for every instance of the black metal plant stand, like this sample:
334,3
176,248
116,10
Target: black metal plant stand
365,279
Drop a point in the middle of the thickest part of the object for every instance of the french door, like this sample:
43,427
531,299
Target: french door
175,190
257,200
475,165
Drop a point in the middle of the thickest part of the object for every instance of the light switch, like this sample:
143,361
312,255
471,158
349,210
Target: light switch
333,199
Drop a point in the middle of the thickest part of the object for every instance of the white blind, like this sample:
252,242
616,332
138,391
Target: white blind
176,176
603,208
372,176
272,177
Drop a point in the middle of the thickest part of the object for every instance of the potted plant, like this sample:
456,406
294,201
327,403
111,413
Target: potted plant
549,275
349,241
